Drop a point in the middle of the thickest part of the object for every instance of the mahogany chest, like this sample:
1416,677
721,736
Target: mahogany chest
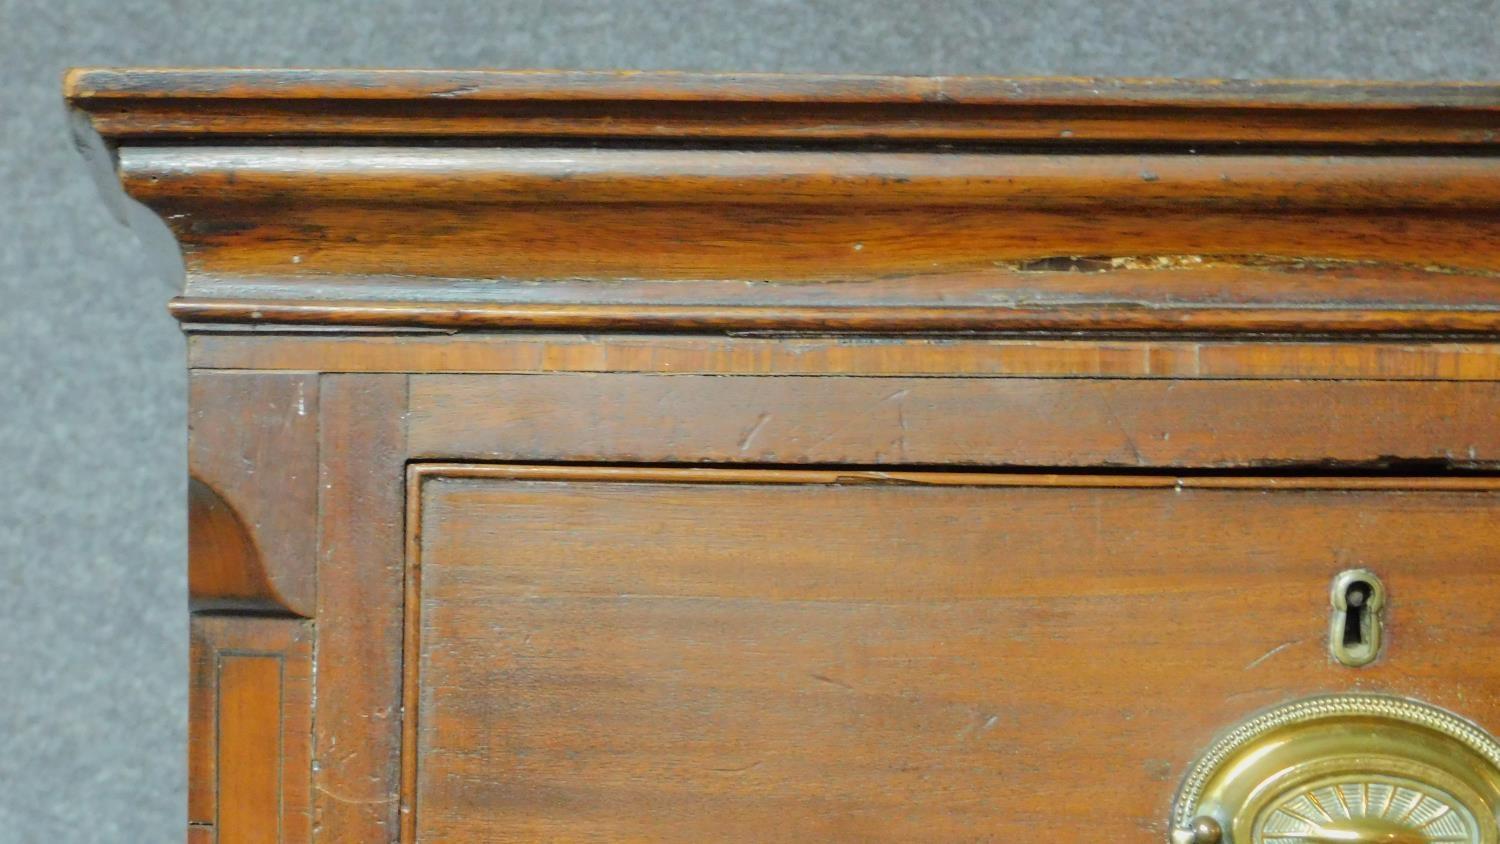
668,457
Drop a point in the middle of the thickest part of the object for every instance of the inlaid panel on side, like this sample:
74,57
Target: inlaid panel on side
250,717
762,655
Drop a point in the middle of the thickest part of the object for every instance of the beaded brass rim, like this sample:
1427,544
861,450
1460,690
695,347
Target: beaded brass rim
1379,762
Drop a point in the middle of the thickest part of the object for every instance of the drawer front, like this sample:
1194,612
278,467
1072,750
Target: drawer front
696,655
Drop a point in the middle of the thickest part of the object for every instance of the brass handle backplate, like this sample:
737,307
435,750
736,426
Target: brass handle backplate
1345,769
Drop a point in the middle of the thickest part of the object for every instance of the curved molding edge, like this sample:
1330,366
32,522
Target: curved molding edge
848,319
227,571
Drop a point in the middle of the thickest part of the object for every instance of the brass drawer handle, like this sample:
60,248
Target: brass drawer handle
1346,768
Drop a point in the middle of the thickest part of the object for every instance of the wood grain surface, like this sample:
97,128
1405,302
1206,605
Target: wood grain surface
830,657
361,552
1039,422
1262,359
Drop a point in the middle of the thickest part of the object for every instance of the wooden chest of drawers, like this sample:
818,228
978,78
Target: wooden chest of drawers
680,458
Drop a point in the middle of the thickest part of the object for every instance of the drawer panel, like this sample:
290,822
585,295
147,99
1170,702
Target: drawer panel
693,655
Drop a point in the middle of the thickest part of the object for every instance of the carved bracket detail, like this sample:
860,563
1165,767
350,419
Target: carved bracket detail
252,494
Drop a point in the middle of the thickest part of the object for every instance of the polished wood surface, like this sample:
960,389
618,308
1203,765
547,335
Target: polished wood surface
585,456
490,176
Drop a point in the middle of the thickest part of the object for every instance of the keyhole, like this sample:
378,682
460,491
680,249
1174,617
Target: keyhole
1354,632
1356,598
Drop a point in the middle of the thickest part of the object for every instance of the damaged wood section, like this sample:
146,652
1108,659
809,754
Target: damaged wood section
761,240
428,213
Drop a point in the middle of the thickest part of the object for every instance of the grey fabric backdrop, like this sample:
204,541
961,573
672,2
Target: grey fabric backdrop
93,629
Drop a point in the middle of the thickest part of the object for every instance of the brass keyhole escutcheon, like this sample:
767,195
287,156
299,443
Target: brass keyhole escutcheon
1356,630
1345,768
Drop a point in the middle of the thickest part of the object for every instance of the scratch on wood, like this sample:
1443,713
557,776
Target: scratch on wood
754,429
1272,652
823,678
460,91
353,801
900,441
979,727
1114,419
740,770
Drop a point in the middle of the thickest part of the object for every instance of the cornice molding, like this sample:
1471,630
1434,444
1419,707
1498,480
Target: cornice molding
498,200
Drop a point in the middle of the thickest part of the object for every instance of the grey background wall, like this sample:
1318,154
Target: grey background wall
93,629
